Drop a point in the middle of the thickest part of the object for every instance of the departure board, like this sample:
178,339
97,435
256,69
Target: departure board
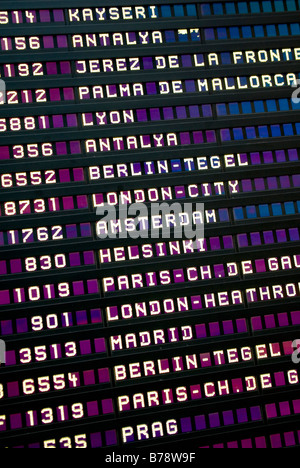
149,226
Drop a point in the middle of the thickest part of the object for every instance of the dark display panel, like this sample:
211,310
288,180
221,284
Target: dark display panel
154,343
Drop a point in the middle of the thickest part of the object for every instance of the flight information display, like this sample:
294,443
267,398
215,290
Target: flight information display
149,226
